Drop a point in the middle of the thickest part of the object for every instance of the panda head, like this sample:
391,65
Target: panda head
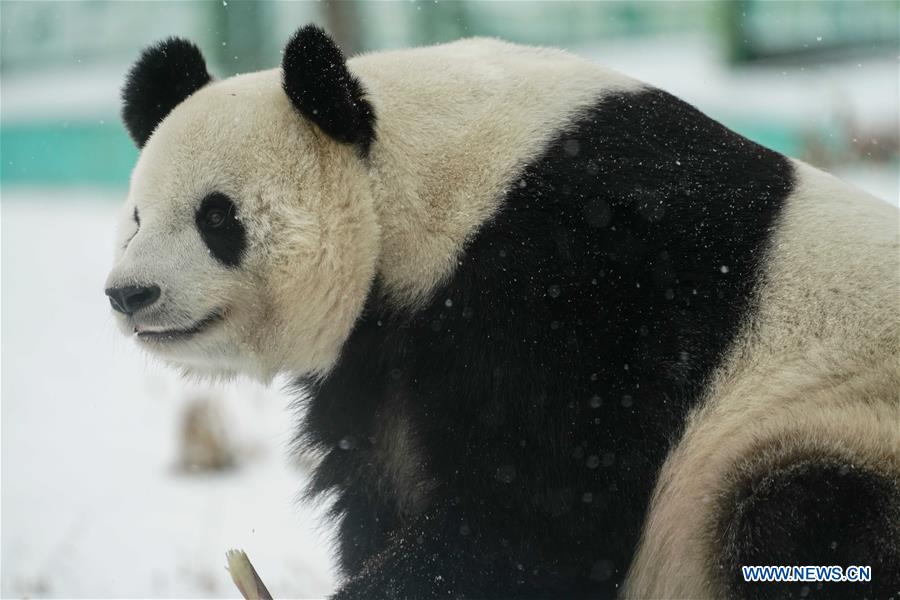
248,240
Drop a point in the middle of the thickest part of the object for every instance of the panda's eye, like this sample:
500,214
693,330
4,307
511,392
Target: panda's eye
215,212
220,228
137,227
214,218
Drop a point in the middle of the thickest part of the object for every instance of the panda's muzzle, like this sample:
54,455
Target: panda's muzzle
170,335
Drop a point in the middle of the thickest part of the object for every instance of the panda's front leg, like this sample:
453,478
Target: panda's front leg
435,555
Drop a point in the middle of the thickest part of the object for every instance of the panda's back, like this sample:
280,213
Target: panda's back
826,305
809,389
834,272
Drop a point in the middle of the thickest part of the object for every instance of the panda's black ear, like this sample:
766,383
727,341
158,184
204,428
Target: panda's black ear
316,79
162,78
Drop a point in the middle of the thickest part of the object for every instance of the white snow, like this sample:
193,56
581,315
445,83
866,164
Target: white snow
92,502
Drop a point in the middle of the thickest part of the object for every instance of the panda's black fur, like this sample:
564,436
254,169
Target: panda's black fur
317,81
551,374
164,75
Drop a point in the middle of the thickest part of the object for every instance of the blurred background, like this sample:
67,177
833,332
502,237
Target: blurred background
121,480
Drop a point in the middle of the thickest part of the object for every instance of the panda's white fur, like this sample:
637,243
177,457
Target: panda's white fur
816,372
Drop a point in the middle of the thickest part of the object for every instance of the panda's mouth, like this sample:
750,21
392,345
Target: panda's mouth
171,335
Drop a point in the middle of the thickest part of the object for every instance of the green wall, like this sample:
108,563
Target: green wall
55,153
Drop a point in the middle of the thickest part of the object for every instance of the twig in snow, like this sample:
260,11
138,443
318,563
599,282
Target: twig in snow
245,577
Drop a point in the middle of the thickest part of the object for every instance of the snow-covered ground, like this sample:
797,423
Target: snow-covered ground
93,504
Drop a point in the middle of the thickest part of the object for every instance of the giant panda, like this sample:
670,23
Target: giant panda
560,334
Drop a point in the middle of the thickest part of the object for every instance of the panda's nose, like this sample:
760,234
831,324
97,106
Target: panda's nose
131,298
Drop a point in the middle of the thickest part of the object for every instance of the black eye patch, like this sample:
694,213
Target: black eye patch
220,229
